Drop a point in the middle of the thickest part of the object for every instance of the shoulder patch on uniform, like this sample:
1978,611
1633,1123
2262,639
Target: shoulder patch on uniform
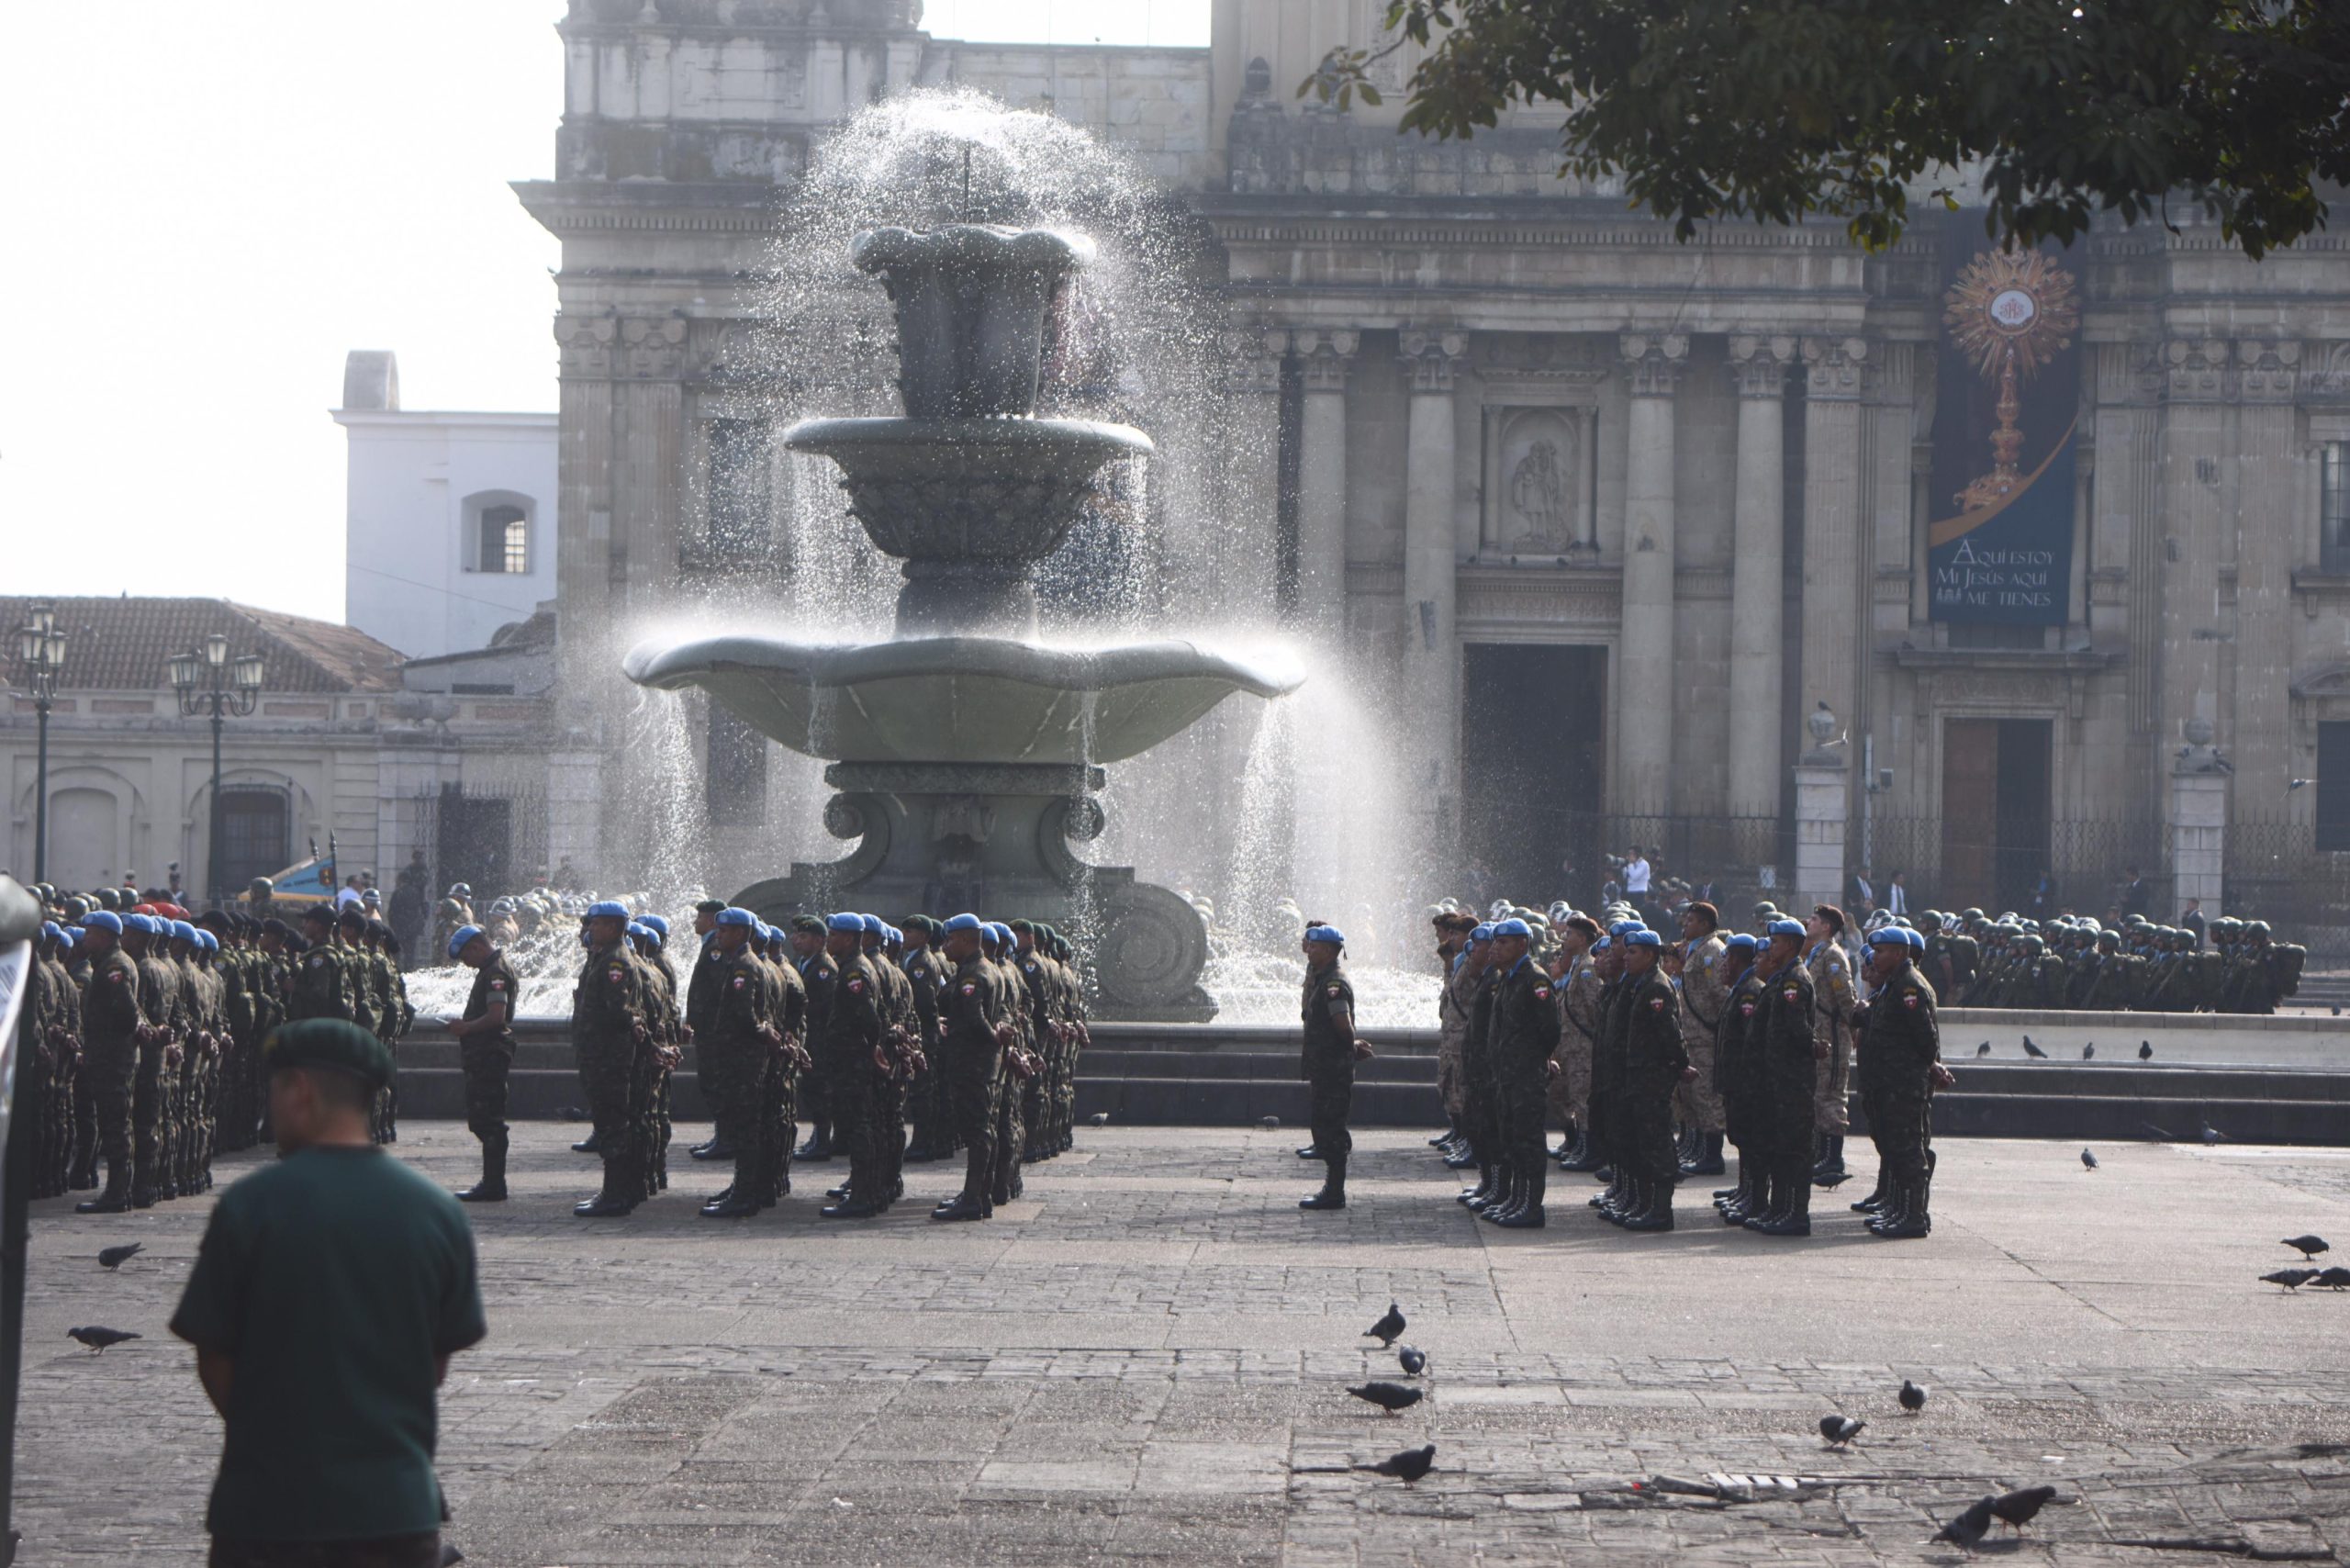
1541,992
1790,994
614,974
1334,991
739,981
497,985
856,985
317,959
970,989
1656,1005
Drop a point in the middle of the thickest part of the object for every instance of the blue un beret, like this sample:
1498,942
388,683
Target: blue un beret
845,923
962,923
891,934
735,915
1329,933
765,933
183,932
1888,937
1621,926
1513,927
607,909
1483,934
69,937
1916,940
103,920
1003,936
206,940
1602,945
873,923
1784,928
660,926
460,936
1743,942
51,930
637,928
1643,937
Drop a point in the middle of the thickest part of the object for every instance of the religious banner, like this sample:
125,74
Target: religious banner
2007,413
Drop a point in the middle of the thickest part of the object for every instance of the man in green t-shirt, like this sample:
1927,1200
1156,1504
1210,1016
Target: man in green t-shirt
331,1289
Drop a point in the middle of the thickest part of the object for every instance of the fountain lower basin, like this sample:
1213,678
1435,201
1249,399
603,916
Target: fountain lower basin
958,700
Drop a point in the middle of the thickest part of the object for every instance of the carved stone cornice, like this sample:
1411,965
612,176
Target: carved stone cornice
2267,372
1326,358
1252,360
1758,364
1653,362
1834,368
2332,379
1432,359
2195,370
623,348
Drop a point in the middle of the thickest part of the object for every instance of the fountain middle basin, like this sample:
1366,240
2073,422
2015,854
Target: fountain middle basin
958,700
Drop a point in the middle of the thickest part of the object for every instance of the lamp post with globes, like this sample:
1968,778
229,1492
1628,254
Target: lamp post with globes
41,648
212,684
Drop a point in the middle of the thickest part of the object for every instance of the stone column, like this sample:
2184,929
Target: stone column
2189,518
1646,646
1242,587
2268,539
1325,360
1431,647
1759,365
1823,806
1835,606
2198,823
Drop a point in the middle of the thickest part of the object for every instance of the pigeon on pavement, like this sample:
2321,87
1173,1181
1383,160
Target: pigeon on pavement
1388,1329
115,1257
2210,1134
2332,1279
2031,1050
2088,1052
98,1339
2308,1246
1389,1396
1839,1431
2016,1508
1913,1399
1984,1050
1099,1119
2145,1050
1406,1465
2089,1161
1969,1527
1270,1123
1413,1361
2291,1279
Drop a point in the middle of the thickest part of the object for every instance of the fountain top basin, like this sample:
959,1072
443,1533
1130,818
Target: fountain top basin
965,699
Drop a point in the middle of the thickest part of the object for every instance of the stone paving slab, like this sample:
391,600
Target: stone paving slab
1144,1362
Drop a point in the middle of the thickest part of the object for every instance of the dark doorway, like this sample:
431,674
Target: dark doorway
253,835
1996,780
1533,747
476,838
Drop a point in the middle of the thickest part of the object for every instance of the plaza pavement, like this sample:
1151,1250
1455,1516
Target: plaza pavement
1143,1362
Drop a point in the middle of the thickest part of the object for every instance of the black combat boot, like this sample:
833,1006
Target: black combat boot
1512,1195
592,1144
114,1200
1446,1136
1463,1155
1830,1168
1587,1156
1488,1175
819,1147
1655,1211
1876,1199
1708,1161
491,1188
1913,1221
1794,1217
1525,1213
1309,1152
1749,1197
1333,1194
1497,1197
716,1149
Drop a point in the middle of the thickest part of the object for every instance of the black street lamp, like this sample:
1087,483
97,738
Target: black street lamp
41,647
209,682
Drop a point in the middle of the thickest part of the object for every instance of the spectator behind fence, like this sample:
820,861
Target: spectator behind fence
331,1290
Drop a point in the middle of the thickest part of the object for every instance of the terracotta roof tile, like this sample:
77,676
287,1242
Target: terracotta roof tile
122,644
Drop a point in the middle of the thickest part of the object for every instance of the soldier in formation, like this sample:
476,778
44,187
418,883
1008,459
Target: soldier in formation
2074,963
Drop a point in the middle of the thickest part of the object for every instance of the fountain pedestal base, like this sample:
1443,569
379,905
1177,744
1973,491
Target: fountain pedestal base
996,838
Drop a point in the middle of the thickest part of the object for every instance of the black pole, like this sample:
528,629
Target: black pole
212,834
41,795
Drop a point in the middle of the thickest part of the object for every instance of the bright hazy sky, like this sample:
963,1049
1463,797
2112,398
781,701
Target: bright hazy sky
208,206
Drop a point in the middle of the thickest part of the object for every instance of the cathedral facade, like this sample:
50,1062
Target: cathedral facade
1991,569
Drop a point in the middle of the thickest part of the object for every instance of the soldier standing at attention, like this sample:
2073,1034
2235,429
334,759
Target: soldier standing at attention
1452,1033
485,1037
1578,994
1608,1119
975,1032
731,1025
1704,991
159,999
850,1057
1475,977
1734,1074
1789,1050
1834,994
1331,1052
1900,1064
115,1036
698,982
817,973
1020,1064
1524,1041
609,1027
933,1135
1655,1066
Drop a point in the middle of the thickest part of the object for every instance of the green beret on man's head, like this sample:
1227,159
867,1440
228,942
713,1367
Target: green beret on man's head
328,1042
808,923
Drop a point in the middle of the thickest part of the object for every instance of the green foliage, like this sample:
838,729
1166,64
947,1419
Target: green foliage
2045,111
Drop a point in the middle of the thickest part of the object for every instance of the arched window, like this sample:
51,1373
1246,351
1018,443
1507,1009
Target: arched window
505,540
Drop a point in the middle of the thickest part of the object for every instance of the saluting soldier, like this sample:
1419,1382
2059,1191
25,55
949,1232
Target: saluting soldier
485,1035
1900,1064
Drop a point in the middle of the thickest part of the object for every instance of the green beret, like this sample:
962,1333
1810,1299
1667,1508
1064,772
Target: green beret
808,923
1024,925
328,1042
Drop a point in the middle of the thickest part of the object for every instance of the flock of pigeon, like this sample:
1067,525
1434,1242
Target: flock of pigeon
2088,1052
2309,1247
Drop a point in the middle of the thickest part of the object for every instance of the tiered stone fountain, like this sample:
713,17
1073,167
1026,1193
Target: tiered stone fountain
967,752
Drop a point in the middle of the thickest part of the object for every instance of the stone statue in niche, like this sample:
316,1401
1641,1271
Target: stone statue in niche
1538,493
1536,469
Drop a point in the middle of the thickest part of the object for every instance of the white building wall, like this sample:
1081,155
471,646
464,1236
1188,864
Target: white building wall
418,483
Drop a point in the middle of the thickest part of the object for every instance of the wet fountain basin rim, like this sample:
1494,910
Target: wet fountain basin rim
957,698
939,442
